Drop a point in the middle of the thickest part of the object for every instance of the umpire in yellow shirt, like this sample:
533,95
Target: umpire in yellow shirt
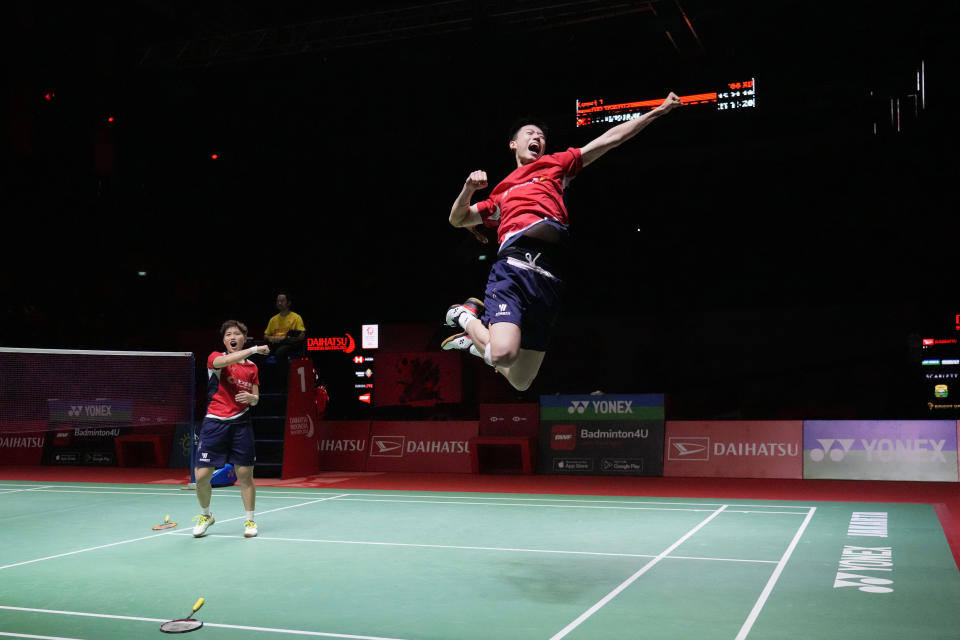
285,334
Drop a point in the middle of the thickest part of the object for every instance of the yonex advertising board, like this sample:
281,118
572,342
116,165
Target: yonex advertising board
734,449
880,450
602,434
84,431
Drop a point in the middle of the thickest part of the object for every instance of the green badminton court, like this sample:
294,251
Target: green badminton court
81,561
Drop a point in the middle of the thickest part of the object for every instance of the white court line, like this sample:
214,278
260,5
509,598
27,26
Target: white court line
322,634
626,583
475,548
37,488
30,635
156,535
275,492
598,500
507,504
520,502
768,589
101,487
188,494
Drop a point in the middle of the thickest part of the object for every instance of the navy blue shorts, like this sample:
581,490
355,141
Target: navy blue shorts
223,441
522,293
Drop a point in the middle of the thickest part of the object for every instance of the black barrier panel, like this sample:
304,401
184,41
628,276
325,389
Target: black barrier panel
602,435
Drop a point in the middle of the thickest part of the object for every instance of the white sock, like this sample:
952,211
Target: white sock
486,355
249,515
473,349
206,512
463,319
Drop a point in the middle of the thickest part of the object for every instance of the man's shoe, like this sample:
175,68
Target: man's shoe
204,522
472,306
250,529
460,341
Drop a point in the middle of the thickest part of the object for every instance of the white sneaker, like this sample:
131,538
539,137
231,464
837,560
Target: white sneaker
460,341
472,306
204,522
250,529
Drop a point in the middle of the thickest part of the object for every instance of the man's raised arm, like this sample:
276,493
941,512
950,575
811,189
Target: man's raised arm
615,136
462,213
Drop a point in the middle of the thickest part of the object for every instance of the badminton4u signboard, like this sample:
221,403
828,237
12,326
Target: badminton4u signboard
880,450
602,434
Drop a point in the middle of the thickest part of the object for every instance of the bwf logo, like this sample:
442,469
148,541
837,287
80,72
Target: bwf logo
578,406
563,437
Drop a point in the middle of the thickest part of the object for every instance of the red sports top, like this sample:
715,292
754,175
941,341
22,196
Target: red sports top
224,384
530,194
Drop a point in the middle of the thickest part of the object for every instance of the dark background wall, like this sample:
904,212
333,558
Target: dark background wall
778,261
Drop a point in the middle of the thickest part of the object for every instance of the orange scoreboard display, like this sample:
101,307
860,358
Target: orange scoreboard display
731,97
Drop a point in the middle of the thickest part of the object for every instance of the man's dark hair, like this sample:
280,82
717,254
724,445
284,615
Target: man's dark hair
520,123
230,324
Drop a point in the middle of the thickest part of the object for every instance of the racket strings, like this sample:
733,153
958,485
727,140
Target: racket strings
181,626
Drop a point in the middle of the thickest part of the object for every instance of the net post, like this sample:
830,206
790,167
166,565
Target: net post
193,420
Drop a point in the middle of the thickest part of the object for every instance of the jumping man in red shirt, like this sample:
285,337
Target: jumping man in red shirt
226,435
510,329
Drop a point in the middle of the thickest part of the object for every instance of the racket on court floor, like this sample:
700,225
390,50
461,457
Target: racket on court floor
166,524
182,625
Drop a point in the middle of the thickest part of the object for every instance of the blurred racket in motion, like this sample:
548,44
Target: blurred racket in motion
183,625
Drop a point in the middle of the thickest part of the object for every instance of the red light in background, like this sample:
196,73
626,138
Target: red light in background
111,119
214,156
50,95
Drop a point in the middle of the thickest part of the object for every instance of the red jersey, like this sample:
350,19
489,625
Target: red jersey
531,193
224,384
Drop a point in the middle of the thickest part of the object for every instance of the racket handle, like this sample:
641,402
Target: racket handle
198,604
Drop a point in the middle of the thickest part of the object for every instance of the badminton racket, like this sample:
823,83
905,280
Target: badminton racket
183,625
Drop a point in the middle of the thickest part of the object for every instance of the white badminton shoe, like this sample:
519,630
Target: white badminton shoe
459,341
472,307
204,522
250,529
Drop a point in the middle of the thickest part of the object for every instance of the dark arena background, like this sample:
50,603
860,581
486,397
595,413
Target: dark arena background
782,260
764,280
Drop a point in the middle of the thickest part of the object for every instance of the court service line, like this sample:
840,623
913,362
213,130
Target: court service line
477,548
6,634
626,583
322,634
768,589
40,488
545,506
277,492
156,535
597,500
